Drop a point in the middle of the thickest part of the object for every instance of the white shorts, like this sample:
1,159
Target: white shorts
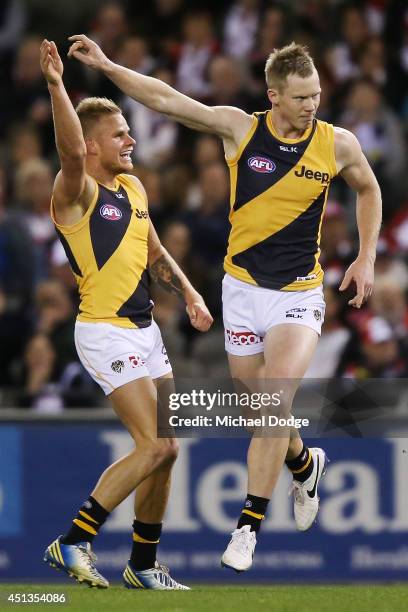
249,311
114,355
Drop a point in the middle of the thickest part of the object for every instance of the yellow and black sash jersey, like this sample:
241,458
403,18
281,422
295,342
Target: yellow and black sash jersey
107,251
279,188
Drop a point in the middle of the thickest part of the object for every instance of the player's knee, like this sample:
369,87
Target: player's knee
162,451
281,409
284,409
171,450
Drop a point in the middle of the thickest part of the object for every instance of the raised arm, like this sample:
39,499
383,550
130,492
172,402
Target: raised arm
355,169
73,189
164,270
229,123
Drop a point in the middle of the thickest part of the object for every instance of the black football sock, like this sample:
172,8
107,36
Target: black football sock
253,512
91,516
146,537
302,466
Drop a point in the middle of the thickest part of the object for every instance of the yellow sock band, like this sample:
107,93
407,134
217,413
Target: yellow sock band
254,514
89,518
304,467
85,526
138,538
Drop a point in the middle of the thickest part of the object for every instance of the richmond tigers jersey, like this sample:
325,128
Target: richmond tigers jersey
107,251
279,188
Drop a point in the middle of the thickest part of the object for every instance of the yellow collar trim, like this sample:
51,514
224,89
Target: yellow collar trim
274,133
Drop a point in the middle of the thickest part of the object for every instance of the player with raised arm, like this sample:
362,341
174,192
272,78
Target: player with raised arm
281,162
101,216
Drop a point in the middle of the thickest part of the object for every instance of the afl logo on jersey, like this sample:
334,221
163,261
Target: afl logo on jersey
110,212
261,164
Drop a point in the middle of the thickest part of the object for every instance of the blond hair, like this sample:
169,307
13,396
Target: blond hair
292,59
90,110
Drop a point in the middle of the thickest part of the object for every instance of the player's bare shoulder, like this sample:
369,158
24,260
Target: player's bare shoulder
347,149
351,162
238,124
67,208
138,183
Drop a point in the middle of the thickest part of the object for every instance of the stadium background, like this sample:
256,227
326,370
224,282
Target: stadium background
49,409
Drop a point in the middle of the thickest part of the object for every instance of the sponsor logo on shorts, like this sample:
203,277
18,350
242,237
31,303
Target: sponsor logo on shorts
261,164
317,315
300,279
117,366
248,503
110,212
164,352
136,361
245,338
295,313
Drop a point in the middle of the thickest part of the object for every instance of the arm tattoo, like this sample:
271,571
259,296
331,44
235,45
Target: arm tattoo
162,273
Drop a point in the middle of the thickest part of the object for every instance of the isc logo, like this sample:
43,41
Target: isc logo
110,212
261,164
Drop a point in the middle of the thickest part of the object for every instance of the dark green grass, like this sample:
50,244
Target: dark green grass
355,598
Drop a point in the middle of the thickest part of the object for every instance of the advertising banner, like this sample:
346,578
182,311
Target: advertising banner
47,470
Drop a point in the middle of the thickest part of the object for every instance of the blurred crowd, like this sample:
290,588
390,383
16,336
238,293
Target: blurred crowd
214,52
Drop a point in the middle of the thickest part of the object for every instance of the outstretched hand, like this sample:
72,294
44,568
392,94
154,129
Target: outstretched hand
361,271
50,62
87,51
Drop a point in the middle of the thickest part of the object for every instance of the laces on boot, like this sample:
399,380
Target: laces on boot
242,541
297,492
89,557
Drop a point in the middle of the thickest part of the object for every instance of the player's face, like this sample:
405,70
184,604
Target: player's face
114,145
298,100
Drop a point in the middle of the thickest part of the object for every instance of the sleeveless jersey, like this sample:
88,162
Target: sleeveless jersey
107,251
279,188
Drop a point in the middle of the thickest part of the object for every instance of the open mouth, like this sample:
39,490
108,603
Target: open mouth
127,155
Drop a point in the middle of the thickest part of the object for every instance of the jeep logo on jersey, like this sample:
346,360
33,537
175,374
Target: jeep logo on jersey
261,164
323,177
141,214
110,212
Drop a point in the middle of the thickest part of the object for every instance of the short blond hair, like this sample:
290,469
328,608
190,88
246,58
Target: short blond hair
90,110
292,59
